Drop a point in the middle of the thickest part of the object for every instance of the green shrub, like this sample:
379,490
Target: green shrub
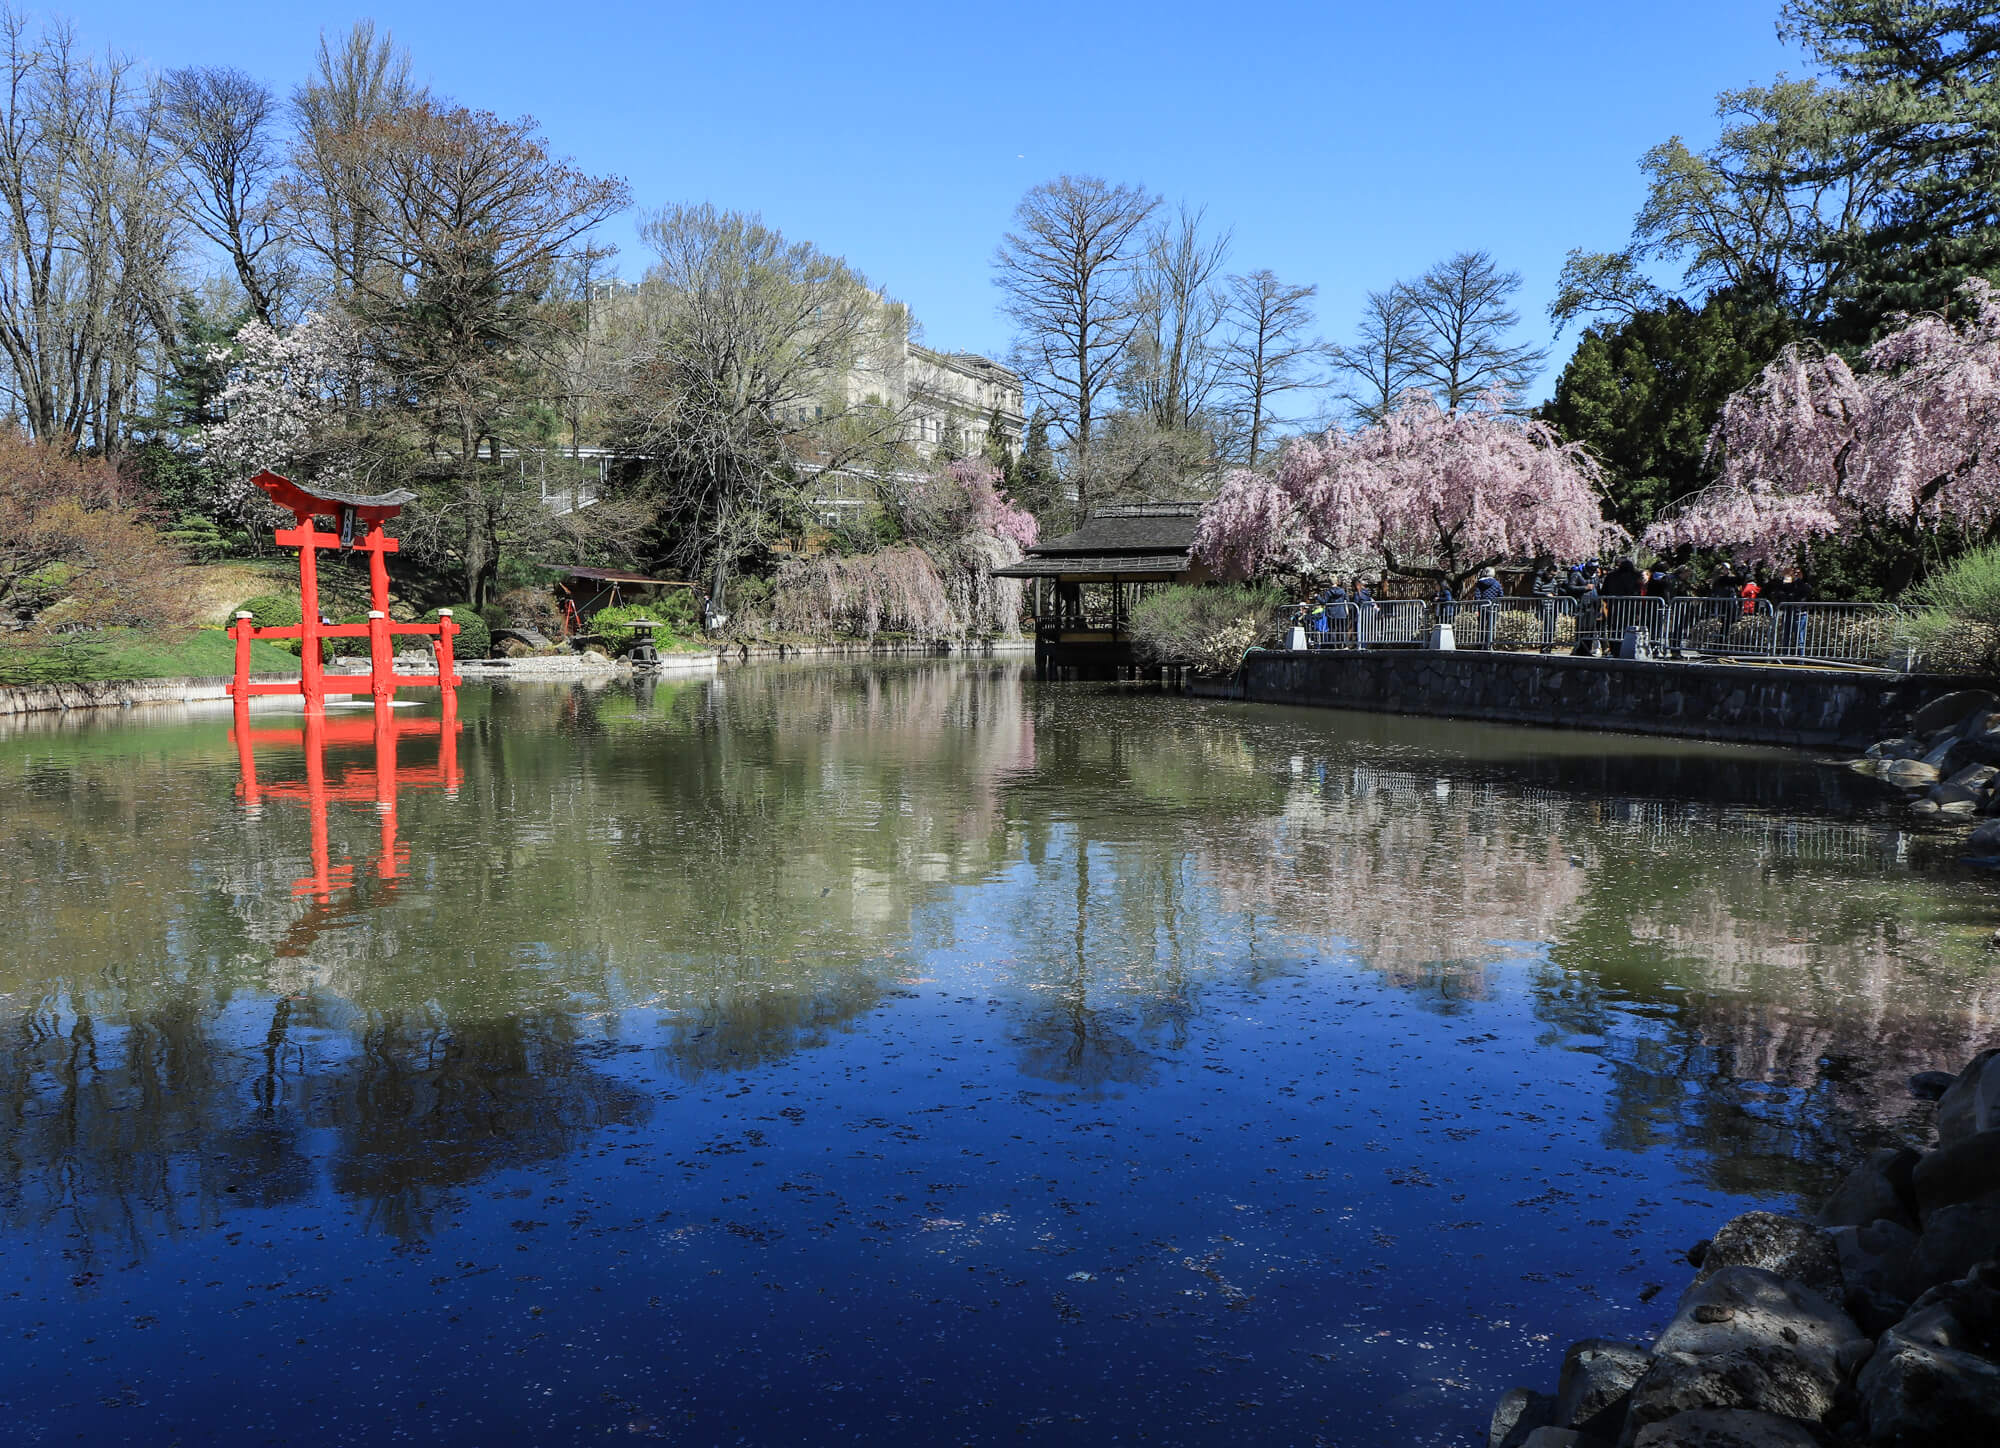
349,648
267,610
199,537
675,617
1955,619
276,610
474,639
1208,627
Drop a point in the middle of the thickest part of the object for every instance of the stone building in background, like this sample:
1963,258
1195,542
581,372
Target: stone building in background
952,399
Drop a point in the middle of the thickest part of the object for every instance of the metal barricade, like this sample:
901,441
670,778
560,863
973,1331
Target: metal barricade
1398,622
1514,623
1868,634
1332,627
1730,627
1388,623
1625,611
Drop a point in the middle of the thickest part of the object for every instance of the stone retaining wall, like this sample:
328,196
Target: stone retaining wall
1812,708
35,698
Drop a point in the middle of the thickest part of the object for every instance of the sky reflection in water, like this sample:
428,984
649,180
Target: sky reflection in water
839,1053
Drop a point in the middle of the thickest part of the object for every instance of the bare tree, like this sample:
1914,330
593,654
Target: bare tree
1172,363
1066,270
737,350
1463,319
470,222
217,129
361,83
1268,353
89,235
1383,361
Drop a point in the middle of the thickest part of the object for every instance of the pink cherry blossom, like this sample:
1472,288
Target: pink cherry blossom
1424,493
1813,448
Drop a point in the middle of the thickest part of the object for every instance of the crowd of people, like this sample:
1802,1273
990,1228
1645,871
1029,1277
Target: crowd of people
1349,604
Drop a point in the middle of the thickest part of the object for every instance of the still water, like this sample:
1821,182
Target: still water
915,1054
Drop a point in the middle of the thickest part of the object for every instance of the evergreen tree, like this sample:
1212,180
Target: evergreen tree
1644,393
1033,481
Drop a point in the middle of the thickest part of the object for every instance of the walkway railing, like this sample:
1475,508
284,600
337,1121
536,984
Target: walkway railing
1396,622
1860,634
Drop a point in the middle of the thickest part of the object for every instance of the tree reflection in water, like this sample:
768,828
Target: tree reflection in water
600,893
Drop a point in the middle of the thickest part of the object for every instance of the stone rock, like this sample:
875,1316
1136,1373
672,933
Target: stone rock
1966,1169
1983,743
1767,1378
1726,1428
528,637
1924,807
1878,1189
1948,793
1748,1307
1878,1263
1958,808
1958,1108
1520,1412
1955,1239
1561,1438
596,656
1933,1378
1978,777
1901,747
1929,1085
1948,711
1788,1247
1597,1378
1985,837
1948,754
1909,773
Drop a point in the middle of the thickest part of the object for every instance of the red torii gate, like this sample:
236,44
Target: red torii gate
349,511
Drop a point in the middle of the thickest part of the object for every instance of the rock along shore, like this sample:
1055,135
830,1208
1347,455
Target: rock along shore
1877,1321
1947,763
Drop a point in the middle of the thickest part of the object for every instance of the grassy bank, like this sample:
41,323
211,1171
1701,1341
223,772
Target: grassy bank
116,655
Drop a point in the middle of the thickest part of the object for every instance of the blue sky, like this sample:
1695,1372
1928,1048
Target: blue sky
1347,145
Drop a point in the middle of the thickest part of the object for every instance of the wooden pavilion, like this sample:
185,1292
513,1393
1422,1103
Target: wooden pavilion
1085,583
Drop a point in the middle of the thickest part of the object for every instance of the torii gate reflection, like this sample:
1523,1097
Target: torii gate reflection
357,784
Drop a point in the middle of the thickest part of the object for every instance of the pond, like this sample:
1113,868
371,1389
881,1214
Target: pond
847,1053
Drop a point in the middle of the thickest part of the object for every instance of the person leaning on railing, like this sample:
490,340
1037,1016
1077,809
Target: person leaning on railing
1786,596
1664,584
1444,603
1548,588
1487,593
1590,613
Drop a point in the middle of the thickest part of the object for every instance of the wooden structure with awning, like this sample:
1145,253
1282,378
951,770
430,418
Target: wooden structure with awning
1084,584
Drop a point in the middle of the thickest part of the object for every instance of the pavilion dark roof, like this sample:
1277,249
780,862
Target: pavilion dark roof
1120,538
1128,528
